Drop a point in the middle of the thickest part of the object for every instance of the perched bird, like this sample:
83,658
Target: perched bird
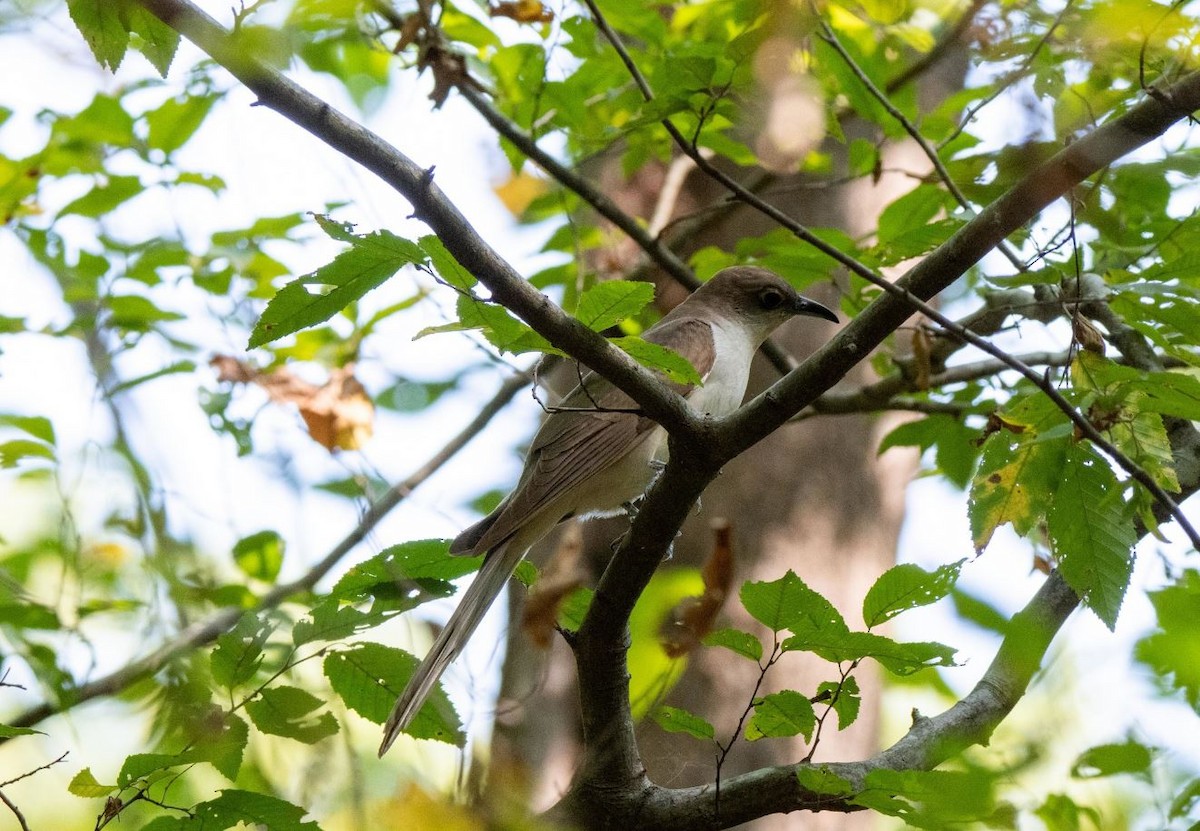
592,456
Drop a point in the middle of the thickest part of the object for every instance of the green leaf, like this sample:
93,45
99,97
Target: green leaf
906,587
1091,534
332,620
735,640
288,712
1109,759
844,698
314,298
176,120
16,451
1173,651
158,41
899,658
1061,813
84,784
250,808
444,263
384,574
574,608
104,197
660,359
225,749
934,799
7,732
238,652
99,21
37,426
675,720
787,603
260,555
1016,482
607,304
369,677
786,713
821,780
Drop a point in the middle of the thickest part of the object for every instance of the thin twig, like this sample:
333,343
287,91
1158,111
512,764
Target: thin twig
12,806
830,37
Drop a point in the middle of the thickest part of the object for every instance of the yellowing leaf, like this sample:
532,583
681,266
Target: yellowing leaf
519,190
416,810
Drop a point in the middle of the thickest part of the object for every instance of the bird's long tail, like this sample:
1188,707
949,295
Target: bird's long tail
497,567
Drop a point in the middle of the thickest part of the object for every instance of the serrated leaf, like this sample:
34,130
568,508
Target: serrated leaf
788,603
386,572
99,21
159,41
1017,479
253,810
333,620
735,640
371,260
905,587
675,720
84,784
900,658
260,555
671,364
845,699
934,799
1091,534
238,652
369,677
444,263
607,304
288,712
785,713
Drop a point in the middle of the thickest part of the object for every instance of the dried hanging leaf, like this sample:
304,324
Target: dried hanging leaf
693,617
449,71
562,575
522,11
338,414
1087,335
922,358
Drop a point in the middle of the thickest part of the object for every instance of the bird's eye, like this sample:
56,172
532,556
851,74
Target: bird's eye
770,299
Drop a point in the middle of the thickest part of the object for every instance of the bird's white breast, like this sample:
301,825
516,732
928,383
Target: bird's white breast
733,347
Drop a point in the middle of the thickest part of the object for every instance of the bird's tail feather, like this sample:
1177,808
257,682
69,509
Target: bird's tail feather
497,567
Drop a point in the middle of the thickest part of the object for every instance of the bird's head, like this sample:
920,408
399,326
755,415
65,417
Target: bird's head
755,297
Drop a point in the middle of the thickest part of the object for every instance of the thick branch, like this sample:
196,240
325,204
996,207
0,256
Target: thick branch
417,185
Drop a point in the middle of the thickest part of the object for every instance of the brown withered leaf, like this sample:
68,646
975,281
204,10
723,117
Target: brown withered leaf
339,414
449,71
1087,335
922,350
693,617
522,11
563,575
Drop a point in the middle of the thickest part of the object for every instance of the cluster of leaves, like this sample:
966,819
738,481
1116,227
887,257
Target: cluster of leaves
562,82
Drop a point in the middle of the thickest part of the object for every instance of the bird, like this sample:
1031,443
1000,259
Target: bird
595,453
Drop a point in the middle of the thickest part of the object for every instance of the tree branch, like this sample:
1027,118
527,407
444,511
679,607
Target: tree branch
431,206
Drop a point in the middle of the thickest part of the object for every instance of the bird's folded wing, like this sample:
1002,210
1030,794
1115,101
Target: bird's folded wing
591,431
